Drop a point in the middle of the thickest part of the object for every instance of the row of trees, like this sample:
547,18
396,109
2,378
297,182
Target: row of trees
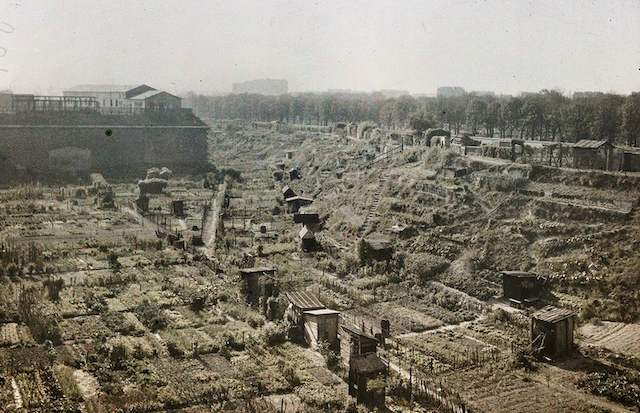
547,115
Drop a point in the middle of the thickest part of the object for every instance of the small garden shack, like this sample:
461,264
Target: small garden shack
307,239
295,202
376,249
177,207
593,154
288,192
552,331
257,282
310,319
310,220
521,288
355,342
358,350
321,326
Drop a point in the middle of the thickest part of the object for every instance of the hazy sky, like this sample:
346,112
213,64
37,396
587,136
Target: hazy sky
204,46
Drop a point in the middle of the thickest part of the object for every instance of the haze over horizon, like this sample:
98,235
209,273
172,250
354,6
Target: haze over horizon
500,46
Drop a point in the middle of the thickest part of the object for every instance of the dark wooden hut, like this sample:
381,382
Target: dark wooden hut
294,203
307,239
552,331
520,287
358,350
257,282
591,154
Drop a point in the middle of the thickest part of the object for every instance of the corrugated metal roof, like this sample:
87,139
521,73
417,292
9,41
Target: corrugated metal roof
551,314
356,331
368,363
304,300
591,144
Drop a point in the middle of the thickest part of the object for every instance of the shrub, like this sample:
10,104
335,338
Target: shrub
424,266
291,376
152,316
68,383
274,334
53,288
174,350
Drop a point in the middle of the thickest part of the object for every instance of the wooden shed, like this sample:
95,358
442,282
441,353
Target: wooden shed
355,342
452,172
358,351
630,160
288,192
177,207
520,287
308,219
257,282
362,369
311,320
378,249
591,154
321,326
552,331
295,202
307,239
404,231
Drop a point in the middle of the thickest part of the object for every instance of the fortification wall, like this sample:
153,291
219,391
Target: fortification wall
117,144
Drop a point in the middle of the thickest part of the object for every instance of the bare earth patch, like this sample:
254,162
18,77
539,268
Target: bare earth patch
617,337
87,384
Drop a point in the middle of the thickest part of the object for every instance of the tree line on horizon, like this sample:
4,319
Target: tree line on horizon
547,115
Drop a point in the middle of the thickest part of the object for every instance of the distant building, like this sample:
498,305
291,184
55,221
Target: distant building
486,93
262,87
450,91
156,100
124,99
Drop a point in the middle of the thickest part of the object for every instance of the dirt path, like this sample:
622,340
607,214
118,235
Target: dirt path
16,394
144,222
212,220
483,204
